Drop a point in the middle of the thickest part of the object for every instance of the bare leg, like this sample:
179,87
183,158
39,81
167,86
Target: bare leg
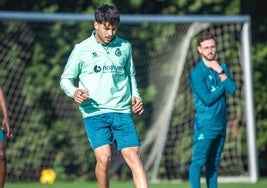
103,157
132,157
2,165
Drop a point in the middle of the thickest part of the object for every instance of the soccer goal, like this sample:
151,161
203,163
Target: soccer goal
33,51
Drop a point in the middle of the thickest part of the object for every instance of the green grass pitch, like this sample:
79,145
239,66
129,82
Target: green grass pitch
262,183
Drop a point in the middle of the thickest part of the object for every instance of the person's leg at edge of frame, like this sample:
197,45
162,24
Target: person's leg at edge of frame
2,164
132,158
103,157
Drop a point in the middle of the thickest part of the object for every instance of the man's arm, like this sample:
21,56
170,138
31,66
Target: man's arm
228,82
5,121
70,73
224,75
200,88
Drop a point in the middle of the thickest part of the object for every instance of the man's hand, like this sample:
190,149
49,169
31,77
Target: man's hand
215,66
81,95
137,105
6,127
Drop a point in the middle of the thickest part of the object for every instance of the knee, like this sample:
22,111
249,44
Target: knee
211,167
104,160
132,157
200,162
2,157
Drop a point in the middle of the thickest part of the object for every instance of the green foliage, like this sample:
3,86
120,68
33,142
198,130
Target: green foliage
44,68
260,69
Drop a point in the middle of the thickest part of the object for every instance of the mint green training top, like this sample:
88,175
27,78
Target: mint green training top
106,71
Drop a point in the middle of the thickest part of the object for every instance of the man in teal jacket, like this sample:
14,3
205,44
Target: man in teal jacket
107,93
210,81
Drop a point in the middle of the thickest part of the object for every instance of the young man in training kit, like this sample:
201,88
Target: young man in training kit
210,80
107,93
5,129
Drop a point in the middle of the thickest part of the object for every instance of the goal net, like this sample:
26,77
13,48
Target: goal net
48,129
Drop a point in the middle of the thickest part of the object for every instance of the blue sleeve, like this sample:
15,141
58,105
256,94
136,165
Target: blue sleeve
228,84
202,90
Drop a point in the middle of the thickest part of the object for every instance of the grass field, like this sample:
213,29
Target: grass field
262,183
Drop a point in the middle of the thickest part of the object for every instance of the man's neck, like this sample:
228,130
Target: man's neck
207,62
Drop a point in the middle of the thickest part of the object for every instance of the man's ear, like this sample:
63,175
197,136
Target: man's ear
199,49
96,25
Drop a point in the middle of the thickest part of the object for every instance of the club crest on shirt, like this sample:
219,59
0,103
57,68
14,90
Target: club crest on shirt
118,52
95,54
200,137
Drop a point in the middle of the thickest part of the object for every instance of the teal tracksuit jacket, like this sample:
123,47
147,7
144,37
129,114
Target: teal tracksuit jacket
209,94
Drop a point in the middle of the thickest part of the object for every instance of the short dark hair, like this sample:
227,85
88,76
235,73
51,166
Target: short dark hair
205,35
107,13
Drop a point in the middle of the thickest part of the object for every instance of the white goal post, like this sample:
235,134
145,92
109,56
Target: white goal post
155,141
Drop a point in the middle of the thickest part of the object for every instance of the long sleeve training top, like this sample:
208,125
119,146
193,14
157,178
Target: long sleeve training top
107,72
209,97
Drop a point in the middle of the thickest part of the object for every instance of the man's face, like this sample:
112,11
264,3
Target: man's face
207,49
105,32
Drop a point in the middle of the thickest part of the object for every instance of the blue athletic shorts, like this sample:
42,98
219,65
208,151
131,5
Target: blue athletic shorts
108,128
2,136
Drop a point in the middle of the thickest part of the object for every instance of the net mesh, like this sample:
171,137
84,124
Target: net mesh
48,127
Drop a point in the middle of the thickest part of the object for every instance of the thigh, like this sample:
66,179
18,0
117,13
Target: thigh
124,131
216,150
201,150
98,129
